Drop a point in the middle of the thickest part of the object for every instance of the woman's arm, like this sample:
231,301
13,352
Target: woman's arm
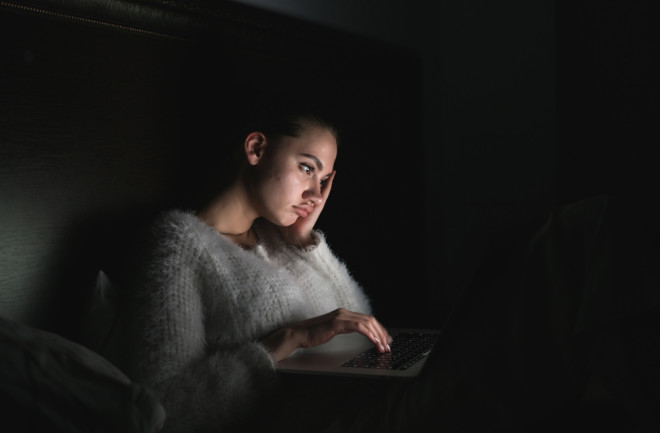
202,385
331,289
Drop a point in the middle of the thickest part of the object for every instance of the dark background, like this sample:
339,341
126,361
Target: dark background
527,105
107,120
473,118
460,119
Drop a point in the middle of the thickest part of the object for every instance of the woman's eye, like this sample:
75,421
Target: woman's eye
306,168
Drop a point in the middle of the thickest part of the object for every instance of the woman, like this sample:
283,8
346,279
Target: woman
241,283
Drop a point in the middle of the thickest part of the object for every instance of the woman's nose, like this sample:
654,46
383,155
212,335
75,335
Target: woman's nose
313,194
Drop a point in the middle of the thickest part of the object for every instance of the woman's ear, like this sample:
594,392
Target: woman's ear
255,143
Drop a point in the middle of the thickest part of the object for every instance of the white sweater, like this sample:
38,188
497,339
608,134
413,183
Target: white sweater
206,302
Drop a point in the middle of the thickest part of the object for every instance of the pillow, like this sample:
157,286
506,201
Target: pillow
52,384
101,315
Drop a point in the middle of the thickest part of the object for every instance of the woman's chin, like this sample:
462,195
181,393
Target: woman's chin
289,222
284,222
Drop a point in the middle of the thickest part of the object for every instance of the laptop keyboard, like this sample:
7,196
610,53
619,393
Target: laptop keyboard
407,349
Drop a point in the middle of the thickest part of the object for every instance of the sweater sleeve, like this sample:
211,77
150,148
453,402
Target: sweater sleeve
317,264
202,388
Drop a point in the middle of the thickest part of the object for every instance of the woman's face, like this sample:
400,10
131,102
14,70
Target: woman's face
291,175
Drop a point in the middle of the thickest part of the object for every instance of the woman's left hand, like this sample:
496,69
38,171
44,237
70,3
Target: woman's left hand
300,232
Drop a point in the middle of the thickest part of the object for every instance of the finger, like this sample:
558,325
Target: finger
383,330
370,327
382,334
372,335
345,321
325,191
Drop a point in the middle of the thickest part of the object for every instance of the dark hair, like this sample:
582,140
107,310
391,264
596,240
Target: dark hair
276,119
285,118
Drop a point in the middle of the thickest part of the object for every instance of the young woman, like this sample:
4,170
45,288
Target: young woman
232,288
239,284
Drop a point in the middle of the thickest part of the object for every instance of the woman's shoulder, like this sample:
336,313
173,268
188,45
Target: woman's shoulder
174,218
174,222
179,227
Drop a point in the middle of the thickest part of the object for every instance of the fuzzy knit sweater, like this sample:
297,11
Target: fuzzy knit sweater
204,304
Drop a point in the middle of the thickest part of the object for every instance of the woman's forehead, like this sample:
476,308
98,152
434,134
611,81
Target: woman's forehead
315,141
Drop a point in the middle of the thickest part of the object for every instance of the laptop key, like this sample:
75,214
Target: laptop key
407,349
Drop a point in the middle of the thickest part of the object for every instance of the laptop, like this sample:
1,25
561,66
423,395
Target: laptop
354,355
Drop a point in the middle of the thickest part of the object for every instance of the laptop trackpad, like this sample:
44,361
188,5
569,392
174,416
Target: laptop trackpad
329,355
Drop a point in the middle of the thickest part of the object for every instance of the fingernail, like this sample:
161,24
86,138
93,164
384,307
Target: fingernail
389,349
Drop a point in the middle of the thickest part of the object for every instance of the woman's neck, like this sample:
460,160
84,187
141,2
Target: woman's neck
230,212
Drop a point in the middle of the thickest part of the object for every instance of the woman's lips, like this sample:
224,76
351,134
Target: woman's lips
302,211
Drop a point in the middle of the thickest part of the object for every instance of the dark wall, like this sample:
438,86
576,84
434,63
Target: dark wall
526,105
87,139
488,115
446,140
106,122
492,113
608,98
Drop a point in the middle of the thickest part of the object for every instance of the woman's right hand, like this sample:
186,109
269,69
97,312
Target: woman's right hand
321,329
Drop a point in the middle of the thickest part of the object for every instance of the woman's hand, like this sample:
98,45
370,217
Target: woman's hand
321,329
300,232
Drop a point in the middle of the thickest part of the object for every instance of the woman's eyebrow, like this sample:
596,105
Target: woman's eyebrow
319,164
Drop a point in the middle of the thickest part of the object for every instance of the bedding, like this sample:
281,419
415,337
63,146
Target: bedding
51,384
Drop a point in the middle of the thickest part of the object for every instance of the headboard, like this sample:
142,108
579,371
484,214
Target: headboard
107,108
